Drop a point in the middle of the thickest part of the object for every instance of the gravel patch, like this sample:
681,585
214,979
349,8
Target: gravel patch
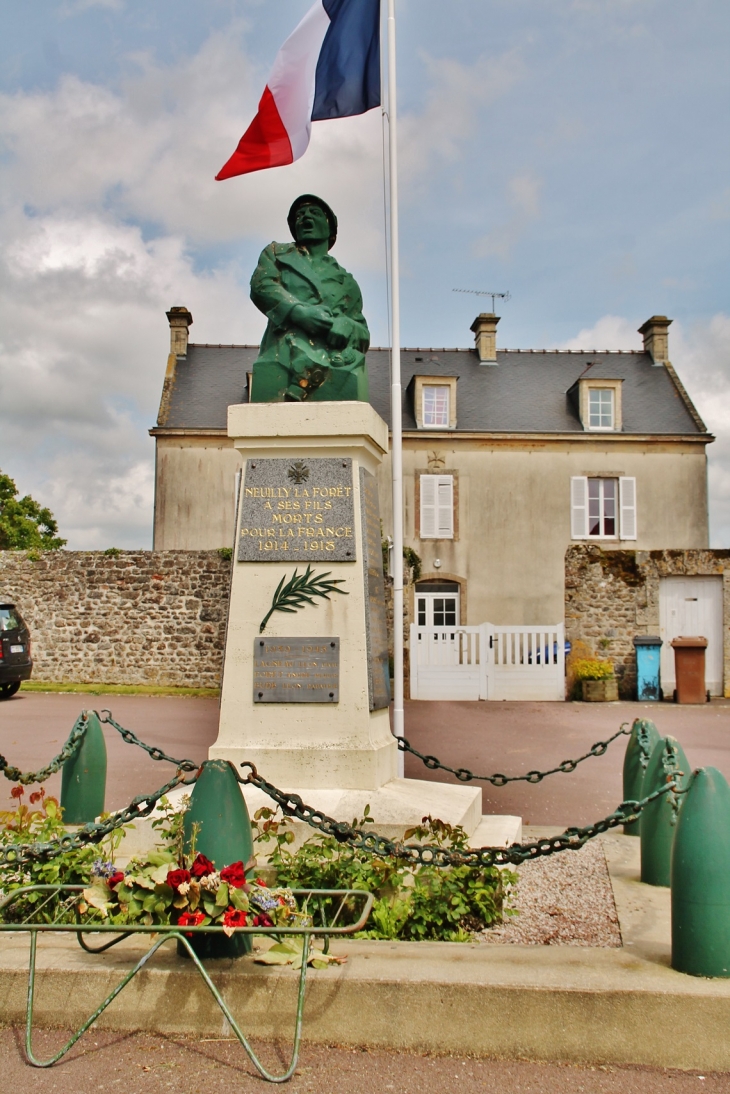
564,899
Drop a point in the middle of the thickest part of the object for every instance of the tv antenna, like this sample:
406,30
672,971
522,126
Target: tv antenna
480,292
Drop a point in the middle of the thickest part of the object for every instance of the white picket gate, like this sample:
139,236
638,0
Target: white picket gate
488,662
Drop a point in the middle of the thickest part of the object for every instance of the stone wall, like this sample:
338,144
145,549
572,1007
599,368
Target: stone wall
610,596
136,617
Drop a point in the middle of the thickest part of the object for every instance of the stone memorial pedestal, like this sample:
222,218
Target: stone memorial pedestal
306,700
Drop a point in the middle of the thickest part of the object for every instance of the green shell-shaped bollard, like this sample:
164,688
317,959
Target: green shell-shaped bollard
701,878
83,779
223,834
644,736
659,818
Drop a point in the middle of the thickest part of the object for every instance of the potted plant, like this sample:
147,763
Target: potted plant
595,681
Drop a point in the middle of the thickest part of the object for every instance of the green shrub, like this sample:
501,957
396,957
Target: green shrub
74,867
411,903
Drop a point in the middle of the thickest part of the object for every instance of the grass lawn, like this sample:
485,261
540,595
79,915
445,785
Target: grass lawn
118,689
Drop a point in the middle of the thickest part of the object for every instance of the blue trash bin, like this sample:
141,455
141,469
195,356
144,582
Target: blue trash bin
648,680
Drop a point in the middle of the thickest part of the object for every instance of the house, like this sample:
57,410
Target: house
509,457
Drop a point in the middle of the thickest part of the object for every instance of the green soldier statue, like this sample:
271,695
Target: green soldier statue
315,343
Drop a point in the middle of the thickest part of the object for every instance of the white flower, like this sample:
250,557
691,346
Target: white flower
183,888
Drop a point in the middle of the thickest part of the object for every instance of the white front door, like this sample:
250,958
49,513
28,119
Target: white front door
439,608
691,606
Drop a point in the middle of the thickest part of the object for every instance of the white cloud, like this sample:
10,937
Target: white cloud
610,332
701,355
457,95
78,7
523,194
83,291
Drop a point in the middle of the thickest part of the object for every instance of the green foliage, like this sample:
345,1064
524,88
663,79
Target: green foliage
592,670
413,561
27,825
411,903
410,557
164,886
24,524
226,553
299,590
112,552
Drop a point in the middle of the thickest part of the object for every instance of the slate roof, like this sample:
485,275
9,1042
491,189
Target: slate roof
526,392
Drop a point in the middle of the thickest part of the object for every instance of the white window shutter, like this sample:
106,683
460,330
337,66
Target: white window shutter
627,497
445,506
579,507
428,506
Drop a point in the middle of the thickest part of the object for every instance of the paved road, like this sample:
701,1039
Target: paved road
517,737
142,1064
486,737
33,728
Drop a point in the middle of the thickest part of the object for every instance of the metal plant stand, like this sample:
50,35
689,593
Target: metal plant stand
325,905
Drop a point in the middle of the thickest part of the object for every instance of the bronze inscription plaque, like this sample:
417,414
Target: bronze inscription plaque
376,630
296,670
297,510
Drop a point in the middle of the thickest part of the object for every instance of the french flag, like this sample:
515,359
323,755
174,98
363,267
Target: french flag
329,67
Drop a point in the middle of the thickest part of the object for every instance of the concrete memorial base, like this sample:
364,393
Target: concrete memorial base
305,691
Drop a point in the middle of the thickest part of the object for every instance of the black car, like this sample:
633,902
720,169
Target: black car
15,659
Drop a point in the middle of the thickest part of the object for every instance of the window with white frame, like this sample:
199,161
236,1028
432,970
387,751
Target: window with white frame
436,506
603,508
435,405
601,408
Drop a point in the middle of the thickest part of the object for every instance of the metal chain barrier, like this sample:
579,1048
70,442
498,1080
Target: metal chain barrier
292,805
465,775
572,839
105,716
16,854
26,778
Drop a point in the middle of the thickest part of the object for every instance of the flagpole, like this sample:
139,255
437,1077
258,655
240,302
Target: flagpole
395,397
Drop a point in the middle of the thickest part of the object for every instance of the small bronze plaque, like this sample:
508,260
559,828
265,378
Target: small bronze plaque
296,510
296,670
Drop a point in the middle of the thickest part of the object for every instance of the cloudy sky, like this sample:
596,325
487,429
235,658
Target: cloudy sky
572,152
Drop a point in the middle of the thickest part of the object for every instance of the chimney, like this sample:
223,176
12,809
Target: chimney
179,319
656,338
485,337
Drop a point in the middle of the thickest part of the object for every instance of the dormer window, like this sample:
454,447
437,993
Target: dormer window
435,405
600,408
598,402
434,401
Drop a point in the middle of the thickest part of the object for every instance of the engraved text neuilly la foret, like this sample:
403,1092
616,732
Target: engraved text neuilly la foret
296,509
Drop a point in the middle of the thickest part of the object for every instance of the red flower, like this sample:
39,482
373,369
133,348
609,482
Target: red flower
115,878
17,792
262,920
190,919
202,867
37,796
235,875
175,878
260,881
234,918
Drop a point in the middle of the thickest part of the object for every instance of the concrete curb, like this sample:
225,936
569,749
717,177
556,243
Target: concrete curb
551,1003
